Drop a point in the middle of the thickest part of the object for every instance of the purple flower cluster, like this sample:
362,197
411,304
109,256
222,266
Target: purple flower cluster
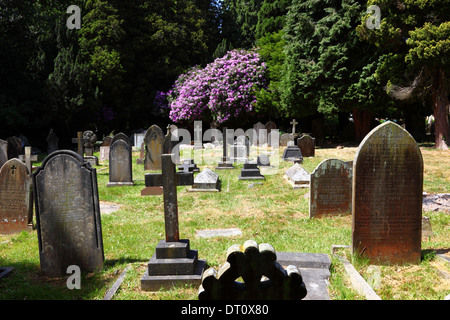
222,90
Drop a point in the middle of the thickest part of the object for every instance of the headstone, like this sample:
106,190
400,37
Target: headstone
139,139
28,158
292,153
120,162
188,165
226,162
89,139
104,153
106,142
80,143
294,123
3,152
16,207
387,196
330,189
198,135
285,138
250,171
52,142
14,147
154,139
261,134
206,181
240,149
307,145
67,214
263,277
297,176
173,263
263,160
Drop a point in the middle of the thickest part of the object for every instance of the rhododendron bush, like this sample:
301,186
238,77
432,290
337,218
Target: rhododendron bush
223,90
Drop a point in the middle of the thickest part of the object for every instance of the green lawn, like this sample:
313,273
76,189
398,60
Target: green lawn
271,212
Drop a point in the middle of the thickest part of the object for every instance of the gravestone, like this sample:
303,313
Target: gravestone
138,138
226,163
297,176
240,149
173,263
270,127
294,124
387,196
263,160
292,153
89,139
106,142
14,147
188,165
67,214
250,171
120,162
154,140
307,145
104,153
80,143
260,138
285,138
330,189
16,207
52,142
263,277
28,158
3,152
206,181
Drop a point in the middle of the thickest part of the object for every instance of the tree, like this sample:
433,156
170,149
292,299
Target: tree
327,69
221,92
413,37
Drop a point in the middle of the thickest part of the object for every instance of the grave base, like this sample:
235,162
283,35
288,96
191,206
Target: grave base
173,264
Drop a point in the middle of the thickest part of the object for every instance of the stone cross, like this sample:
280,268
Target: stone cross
79,140
294,123
169,179
28,159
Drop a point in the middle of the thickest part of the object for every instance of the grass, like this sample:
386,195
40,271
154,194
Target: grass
271,212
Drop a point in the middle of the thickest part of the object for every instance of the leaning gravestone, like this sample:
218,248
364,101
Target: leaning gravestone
307,145
16,208
330,189
154,140
120,162
387,196
67,214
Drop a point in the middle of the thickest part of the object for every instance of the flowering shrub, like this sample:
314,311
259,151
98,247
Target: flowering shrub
222,90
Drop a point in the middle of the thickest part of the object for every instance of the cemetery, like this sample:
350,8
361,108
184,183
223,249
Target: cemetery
171,244
218,150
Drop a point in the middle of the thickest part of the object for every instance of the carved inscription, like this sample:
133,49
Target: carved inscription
387,199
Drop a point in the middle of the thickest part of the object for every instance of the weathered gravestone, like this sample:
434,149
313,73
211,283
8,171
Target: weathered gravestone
263,277
89,140
285,138
205,181
120,162
294,124
154,140
297,176
67,214
173,263
387,196
330,189
3,152
52,142
307,145
14,147
263,160
16,207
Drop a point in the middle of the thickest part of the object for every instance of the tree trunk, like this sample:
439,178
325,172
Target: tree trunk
439,95
363,120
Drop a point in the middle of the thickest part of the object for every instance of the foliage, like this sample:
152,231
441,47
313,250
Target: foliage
327,69
223,90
